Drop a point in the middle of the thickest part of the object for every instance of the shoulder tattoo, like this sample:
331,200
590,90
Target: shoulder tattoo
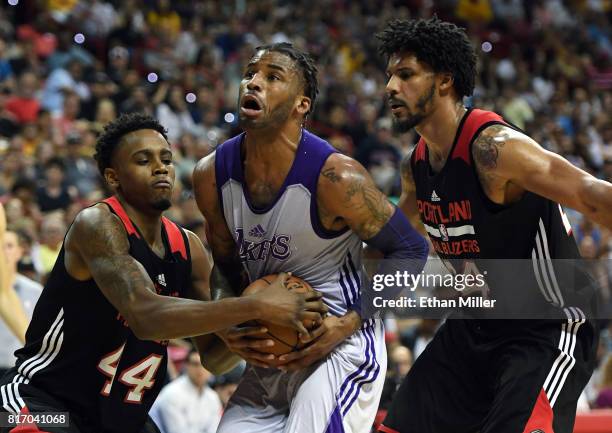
488,145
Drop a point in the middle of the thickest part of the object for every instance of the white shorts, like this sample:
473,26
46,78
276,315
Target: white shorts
340,394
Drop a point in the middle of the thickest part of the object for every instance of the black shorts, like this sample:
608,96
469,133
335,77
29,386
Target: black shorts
470,380
28,399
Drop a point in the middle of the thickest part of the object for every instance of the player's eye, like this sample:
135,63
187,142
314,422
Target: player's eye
142,162
167,161
405,75
273,77
249,74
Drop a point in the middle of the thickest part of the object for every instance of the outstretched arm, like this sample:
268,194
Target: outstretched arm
11,309
132,293
131,290
502,153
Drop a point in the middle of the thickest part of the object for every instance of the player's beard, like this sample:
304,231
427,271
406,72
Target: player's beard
161,204
413,119
276,117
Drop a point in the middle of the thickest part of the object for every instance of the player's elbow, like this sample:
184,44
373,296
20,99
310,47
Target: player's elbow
139,316
142,328
220,366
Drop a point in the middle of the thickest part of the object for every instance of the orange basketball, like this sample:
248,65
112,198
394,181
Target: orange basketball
285,339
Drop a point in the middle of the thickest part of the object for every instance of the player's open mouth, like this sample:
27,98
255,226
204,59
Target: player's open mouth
396,106
251,106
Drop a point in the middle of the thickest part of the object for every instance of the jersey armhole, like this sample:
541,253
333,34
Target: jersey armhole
489,204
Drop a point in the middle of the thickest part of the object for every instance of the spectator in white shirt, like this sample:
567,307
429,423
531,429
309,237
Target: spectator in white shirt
188,404
26,289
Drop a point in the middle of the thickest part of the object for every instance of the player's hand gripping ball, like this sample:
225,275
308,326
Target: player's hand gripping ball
285,339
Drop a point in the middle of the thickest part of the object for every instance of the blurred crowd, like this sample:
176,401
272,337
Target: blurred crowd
69,67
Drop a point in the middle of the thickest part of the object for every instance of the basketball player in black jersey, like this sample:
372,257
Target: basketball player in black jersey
485,190
96,346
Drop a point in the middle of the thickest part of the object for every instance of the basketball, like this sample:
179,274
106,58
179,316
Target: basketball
285,339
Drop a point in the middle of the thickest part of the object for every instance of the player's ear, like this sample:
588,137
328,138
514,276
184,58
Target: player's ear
446,82
303,105
110,175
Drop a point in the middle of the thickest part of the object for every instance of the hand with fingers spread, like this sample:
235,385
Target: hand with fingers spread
288,308
332,331
245,342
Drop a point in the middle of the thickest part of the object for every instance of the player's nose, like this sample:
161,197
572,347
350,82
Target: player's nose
160,168
254,84
392,87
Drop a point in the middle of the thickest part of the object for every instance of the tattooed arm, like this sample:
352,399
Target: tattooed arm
347,196
347,192
407,202
508,161
97,247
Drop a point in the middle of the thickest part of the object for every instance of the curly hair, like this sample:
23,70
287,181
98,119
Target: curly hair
114,132
441,45
306,64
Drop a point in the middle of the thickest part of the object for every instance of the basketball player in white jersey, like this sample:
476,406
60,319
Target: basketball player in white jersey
278,198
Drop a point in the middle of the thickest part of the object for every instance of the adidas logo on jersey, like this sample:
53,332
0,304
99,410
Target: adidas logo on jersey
434,196
257,231
161,279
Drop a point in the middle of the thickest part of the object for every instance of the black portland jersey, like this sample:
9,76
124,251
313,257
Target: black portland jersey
80,350
517,247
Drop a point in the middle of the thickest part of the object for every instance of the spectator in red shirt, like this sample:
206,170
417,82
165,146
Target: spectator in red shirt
24,105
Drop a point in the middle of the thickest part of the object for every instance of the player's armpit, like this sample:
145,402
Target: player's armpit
347,191
507,154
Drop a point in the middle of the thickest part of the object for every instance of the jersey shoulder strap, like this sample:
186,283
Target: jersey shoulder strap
177,238
474,123
118,210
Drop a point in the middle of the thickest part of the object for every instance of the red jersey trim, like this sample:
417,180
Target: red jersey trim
115,205
419,151
385,429
541,418
476,119
177,242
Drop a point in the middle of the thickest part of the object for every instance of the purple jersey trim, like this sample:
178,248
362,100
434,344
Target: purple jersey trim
310,156
227,164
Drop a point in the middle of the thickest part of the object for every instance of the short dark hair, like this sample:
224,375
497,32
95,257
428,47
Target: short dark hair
23,183
23,238
306,64
55,161
115,130
442,45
